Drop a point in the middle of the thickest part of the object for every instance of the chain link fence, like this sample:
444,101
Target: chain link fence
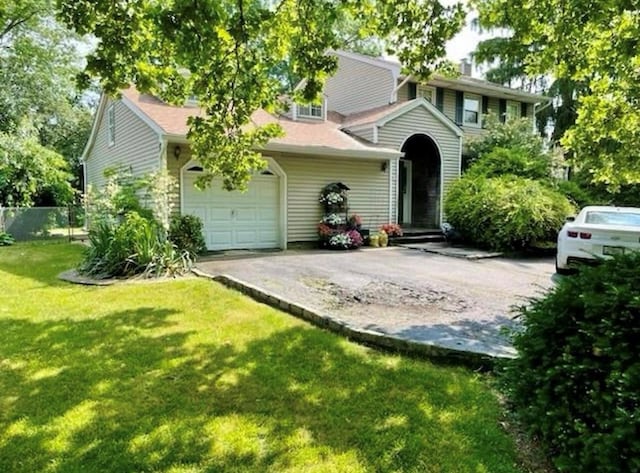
38,223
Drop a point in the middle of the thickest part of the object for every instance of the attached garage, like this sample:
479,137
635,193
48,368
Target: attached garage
236,220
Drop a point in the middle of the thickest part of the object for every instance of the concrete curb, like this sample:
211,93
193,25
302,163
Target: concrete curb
366,337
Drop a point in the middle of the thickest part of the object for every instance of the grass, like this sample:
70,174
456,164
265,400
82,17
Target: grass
188,376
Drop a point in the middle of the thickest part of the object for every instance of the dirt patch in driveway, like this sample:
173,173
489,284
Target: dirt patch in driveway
390,295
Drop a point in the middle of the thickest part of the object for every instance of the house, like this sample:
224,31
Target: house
395,142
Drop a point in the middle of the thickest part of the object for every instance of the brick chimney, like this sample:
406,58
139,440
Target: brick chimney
465,67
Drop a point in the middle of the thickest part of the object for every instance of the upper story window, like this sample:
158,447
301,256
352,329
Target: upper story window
426,92
471,113
310,111
513,110
111,125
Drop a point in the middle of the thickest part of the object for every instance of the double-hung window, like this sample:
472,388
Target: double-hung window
426,92
310,111
471,115
513,110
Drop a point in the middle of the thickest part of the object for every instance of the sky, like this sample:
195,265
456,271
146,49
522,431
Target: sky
465,42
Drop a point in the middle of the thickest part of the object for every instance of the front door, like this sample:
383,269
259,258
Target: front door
405,192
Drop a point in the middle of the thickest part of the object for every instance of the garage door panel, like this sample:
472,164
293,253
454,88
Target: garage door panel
235,219
244,216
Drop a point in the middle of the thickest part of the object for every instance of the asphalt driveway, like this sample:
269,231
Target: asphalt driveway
451,302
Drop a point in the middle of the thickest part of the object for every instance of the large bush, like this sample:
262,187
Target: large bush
576,381
517,161
506,212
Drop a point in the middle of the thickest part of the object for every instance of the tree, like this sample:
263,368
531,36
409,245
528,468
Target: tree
29,171
39,61
592,48
224,52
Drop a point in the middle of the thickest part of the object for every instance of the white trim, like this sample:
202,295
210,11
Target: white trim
97,119
441,156
430,107
477,86
164,144
390,168
282,178
381,63
375,134
381,154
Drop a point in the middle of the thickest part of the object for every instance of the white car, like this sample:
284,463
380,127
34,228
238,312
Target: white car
597,232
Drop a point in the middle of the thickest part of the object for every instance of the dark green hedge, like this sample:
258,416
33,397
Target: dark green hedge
505,212
576,382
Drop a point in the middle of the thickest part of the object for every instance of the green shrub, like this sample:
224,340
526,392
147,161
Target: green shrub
512,134
576,193
517,161
576,381
6,239
506,212
185,231
135,246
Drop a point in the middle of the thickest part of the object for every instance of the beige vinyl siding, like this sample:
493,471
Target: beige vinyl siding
306,176
419,120
403,92
364,133
358,86
136,147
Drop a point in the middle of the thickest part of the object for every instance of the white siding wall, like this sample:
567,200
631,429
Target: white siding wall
174,166
419,120
136,147
364,133
306,176
358,86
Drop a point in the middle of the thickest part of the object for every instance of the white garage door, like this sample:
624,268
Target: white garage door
236,220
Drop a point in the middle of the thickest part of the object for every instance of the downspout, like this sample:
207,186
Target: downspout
394,94
548,104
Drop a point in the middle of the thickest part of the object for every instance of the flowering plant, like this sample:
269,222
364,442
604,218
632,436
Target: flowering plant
391,229
355,237
340,240
333,219
325,230
332,198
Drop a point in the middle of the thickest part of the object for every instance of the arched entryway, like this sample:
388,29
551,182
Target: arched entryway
419,183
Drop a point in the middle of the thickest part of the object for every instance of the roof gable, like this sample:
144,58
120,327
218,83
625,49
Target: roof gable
383,115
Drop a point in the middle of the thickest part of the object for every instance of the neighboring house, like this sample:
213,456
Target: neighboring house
395,143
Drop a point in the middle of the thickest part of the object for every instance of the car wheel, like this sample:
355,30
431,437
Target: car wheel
564,271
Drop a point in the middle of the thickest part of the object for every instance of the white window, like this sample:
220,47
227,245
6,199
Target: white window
310,111
426,92
111,125
471,113
513,110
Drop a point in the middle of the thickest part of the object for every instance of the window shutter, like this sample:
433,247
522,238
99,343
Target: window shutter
523,110
485,104
440,98
413,90
459,107
503,110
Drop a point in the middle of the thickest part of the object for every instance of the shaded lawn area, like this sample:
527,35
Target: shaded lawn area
188,376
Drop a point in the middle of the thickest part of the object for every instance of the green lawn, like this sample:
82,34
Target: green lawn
188,376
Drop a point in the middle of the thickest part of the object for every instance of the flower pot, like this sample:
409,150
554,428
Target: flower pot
383,239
